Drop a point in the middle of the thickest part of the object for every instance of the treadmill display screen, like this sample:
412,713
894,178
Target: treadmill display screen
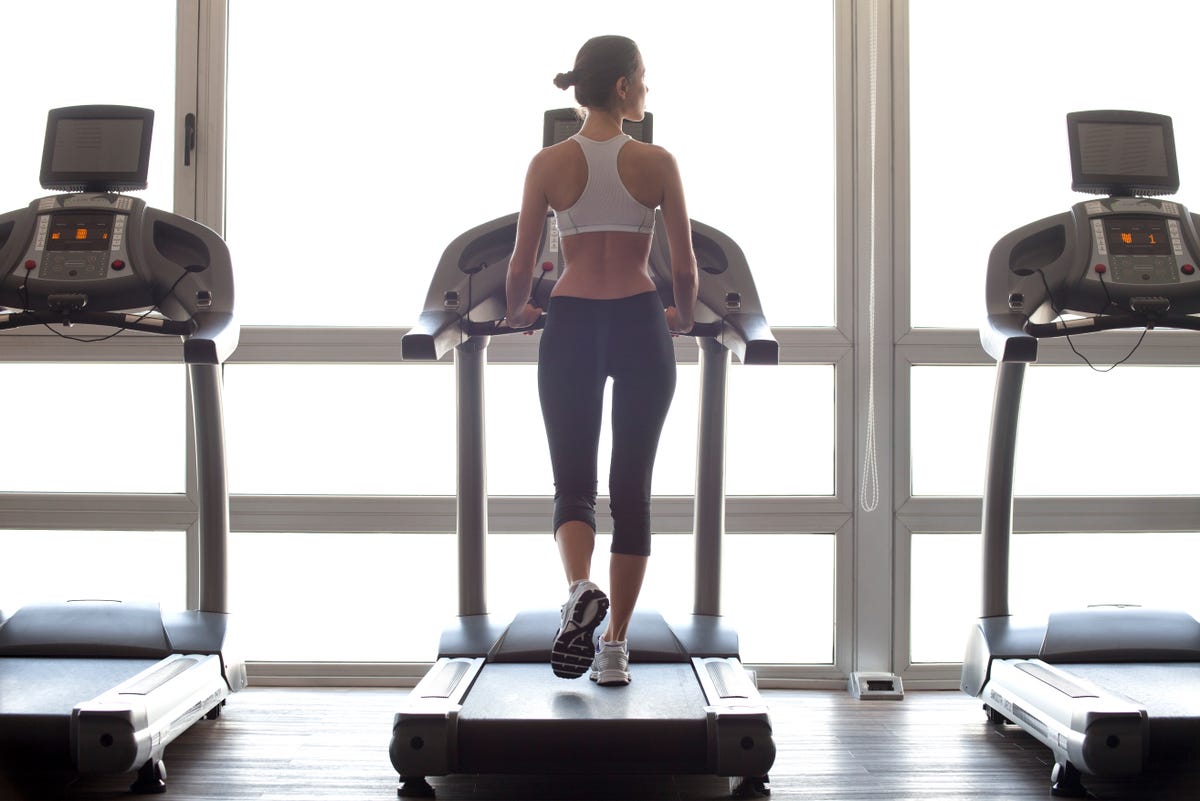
1122,153
97,145
97,148
1123,149
1137,237
80,232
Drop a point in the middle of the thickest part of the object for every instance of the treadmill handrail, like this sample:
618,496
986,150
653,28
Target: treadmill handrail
132,322
747,335
1088,325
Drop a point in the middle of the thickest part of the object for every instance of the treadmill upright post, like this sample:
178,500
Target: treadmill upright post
998,487
469,361
212,493
710,475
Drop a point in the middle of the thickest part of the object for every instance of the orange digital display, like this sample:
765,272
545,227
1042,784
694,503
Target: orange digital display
80,231
1133,236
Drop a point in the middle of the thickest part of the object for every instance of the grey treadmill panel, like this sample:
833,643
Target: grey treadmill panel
522,718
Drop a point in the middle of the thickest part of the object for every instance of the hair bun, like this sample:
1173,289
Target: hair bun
565,80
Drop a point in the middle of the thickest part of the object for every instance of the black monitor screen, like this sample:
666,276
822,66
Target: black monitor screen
97,148
563,123
1122,153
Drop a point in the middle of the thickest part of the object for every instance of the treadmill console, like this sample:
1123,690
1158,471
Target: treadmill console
92,256
1138,243
1122,261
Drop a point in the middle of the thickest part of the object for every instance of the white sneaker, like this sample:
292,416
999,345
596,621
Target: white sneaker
611,665
572,651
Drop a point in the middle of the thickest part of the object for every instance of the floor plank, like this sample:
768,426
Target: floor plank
286,744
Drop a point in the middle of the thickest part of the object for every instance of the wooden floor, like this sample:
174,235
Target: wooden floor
318,744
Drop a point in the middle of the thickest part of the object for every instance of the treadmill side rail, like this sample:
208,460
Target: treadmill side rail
1099,733
425,730
739,728
133,723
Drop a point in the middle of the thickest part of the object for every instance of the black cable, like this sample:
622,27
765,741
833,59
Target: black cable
1059,313
120,329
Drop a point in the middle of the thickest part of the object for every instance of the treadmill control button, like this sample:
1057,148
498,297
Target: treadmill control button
118,264
30,264
547,266
1188,269
1101,268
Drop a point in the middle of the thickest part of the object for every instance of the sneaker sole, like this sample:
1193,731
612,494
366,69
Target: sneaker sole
572,653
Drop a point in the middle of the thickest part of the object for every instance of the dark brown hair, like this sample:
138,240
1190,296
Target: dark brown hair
600,63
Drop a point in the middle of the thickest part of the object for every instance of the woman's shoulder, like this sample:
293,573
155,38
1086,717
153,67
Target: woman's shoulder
554,157
650,156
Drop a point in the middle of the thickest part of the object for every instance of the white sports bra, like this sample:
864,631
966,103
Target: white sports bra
605,204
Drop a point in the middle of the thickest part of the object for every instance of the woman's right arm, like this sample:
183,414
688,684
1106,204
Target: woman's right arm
684,278
518,283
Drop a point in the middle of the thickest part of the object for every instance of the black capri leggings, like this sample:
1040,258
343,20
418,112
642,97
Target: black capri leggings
584,343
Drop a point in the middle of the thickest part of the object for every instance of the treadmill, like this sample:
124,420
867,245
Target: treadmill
491,704
1107,689
106,686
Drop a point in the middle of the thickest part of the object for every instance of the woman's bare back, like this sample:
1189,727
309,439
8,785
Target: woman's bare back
604,264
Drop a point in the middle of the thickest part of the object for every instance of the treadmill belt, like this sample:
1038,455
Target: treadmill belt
53,686
520,717
1170,693
1165,689
37,695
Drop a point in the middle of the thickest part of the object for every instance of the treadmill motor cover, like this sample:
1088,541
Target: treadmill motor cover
1121,634
112,629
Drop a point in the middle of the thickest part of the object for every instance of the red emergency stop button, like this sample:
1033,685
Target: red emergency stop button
118,264
30,264
547,266
1101,268
1187,269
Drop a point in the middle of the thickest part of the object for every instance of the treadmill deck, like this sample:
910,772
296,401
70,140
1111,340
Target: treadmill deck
522,715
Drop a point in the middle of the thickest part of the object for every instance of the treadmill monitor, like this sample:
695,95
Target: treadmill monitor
1122,153
97,149
563,123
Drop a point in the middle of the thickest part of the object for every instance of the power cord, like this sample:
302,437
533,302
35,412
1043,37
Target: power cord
1059,313
120,329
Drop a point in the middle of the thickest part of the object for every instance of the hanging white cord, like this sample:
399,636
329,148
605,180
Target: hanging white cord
869,493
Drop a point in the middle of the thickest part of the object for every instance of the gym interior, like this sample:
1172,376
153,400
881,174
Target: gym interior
319,507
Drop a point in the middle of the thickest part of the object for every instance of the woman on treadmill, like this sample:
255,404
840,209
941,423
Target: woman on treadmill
604,320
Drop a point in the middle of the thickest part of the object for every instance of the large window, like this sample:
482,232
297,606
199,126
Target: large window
81,439
1049,573
79,52
1080,432
371,136
375,133
54,566
988,123
1104,497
